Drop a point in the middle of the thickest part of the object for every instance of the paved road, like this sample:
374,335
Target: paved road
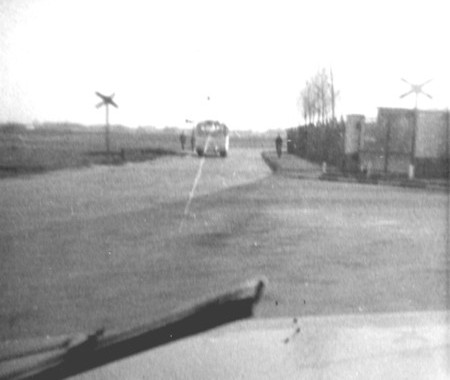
118,246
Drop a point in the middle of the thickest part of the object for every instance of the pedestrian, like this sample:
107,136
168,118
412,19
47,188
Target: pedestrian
182,140
278,145
192,141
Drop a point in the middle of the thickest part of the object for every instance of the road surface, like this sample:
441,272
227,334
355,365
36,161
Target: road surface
119,246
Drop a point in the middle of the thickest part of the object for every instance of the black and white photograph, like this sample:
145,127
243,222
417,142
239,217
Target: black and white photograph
211,189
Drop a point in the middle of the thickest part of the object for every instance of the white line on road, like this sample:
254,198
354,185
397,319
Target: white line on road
194,186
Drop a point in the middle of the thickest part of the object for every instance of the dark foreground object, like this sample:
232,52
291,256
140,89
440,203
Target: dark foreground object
69,357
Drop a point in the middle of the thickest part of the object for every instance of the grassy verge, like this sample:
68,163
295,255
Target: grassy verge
36,152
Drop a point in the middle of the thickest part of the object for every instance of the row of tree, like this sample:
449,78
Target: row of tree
317,98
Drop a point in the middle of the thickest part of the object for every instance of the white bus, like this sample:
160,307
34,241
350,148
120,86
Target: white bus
211,137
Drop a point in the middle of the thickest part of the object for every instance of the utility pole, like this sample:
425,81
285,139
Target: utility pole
333,118
447,149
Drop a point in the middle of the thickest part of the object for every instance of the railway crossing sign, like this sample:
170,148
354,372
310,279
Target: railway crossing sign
106,101
416,89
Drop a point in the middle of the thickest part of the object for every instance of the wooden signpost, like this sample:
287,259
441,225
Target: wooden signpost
106,101
415,89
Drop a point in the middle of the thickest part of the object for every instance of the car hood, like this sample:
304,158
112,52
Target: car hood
367,346
381,346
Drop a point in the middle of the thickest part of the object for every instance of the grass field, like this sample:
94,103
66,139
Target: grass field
37,151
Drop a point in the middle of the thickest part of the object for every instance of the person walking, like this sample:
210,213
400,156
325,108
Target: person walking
182,140
192,141
278,145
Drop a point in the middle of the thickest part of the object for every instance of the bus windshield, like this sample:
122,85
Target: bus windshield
211,128
211,137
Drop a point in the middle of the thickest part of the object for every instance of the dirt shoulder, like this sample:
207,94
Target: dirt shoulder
291,166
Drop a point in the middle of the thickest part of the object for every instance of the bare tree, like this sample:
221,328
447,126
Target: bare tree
308,102
323,94
317,98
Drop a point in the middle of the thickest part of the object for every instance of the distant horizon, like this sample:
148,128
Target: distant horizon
37,125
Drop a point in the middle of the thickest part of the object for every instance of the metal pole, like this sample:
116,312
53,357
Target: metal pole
386,147
412,161
306,143
333,116
447,149
344,151
413,144
447,175
107,128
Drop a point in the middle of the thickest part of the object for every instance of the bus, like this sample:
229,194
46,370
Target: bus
211,137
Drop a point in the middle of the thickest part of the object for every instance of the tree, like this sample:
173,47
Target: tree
317,98
308,102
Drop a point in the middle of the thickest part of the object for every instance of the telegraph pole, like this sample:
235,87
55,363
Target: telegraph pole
333,117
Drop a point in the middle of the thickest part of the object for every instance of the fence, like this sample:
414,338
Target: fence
401,139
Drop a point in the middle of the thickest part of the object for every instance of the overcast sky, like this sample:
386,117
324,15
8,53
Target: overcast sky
163,58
